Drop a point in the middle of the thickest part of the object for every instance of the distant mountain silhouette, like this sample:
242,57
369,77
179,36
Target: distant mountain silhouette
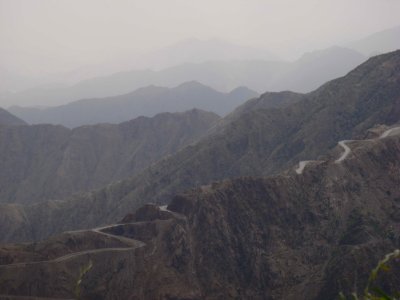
315,68
303,75
200,51
147,101
379,42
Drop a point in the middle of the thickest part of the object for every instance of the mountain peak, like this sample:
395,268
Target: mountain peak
240,90
193,84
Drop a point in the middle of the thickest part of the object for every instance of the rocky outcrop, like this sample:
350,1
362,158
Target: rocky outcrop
290,236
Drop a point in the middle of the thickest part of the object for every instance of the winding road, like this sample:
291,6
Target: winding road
347,150
134,244
390,132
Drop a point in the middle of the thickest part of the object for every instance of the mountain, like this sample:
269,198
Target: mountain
380,42
8,119
291,236
147,101
200,51
315,68
303,75
219,75
44,162
257,142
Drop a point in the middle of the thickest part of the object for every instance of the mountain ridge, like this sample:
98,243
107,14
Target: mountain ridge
220,75
44,162
146,101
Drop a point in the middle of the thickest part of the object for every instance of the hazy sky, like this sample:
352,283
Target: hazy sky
39,36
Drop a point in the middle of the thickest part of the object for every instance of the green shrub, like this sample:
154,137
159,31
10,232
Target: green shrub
372,292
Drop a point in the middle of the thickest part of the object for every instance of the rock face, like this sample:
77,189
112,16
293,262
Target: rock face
255,142
8,119
291,236
147,102
51,162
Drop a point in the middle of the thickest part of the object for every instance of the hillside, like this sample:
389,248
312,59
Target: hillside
147,101
8,119
295,237
44,162
258,142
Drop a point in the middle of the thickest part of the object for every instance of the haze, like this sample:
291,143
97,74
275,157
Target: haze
42,37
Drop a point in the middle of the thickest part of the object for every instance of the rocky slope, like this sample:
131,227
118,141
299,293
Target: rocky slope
8,119
51,162
147,102
290,236
258,142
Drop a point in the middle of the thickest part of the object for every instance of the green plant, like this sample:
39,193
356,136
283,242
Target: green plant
82,272
372,292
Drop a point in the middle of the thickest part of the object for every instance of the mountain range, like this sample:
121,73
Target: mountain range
290,236
221,75
147,101
216,63
250,142
45,162
290,196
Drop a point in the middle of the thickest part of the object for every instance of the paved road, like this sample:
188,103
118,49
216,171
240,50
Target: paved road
346,152
164,208
390,132
131,242
302,165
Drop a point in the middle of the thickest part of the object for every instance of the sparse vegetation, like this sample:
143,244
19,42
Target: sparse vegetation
371,291
82,272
